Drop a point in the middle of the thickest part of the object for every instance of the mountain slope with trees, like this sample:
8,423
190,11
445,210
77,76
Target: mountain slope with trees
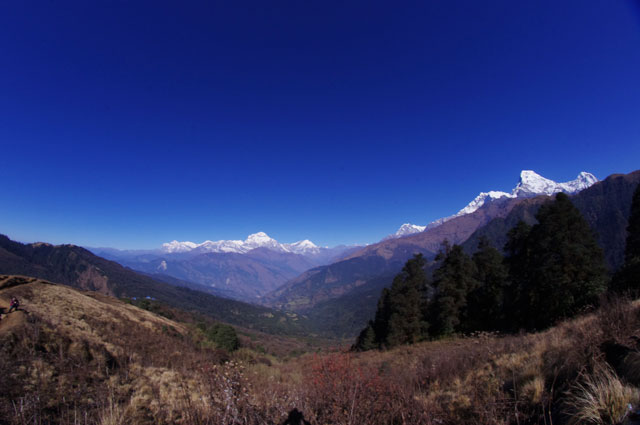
627,280
553,270
342,296
605,206
384,258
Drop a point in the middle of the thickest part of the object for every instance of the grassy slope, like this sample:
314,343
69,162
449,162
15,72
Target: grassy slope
88,355
76,349
586,370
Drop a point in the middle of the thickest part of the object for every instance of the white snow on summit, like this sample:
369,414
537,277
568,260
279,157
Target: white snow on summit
261,240
583,181
409,229
533,184
220,246
176,247
479,201
530,184
302,247
253,241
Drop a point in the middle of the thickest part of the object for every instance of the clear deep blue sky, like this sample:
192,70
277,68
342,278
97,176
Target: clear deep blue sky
129,124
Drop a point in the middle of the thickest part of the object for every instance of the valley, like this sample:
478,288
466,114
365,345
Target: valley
126,342
320,212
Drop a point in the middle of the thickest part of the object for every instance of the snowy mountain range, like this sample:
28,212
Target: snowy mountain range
253,241
241,269
531,184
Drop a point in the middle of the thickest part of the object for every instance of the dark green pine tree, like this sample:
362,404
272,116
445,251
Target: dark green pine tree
399,318
517,261
381,322
627,280
366,340
453,280
517,250
632,250
563,270
485,303
406,321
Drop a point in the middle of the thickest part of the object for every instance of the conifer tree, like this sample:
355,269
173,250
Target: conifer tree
399,318
486,302
406,322
453,280
367,339
628,278
517,262
559,269
381,321
632,250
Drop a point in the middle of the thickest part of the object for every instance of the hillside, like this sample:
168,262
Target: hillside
79,268
70,354
69,310
67,353
606,207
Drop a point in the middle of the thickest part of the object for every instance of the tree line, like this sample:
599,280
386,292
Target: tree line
549,271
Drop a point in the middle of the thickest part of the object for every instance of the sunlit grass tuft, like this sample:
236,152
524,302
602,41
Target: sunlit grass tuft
599,398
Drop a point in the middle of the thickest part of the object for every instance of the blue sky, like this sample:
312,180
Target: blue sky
129,124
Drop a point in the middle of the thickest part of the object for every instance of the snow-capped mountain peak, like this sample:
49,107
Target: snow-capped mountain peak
583,181
259,237
261,240
480,200
302,247
176,247
304,244
409,229
533,184
530,184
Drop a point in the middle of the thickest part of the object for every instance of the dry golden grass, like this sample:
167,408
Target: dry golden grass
89,356
599,398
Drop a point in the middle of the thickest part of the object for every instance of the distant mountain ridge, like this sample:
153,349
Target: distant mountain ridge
253,241
242,270
531,184
241,276
75,266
